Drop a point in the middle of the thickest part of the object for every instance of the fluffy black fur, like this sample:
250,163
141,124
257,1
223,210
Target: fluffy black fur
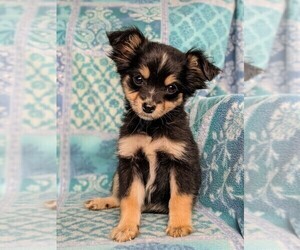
173,124
162,78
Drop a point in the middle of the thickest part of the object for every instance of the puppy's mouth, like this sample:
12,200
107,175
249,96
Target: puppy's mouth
145,116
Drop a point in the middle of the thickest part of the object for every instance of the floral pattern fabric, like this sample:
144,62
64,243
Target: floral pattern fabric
66,116
75,125
271,173
272,123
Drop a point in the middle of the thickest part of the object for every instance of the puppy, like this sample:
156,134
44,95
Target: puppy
158,167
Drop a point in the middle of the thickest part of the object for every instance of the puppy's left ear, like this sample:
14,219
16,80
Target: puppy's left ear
125,44
199,70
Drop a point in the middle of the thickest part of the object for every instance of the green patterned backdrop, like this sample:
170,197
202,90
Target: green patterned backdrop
61,105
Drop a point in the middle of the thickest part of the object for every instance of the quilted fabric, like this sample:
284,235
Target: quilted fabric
88,100
260,30
272,175
202,25
27,224
281,76
272,135
28,141
79,228
97,99
217,124
75,125
231,79
28,99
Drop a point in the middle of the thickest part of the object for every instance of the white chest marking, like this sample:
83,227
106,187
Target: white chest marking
129,145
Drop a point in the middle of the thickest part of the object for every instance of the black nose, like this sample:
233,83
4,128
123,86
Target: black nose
148,108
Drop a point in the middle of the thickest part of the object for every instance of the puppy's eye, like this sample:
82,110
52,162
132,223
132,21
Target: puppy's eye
172,89
138,80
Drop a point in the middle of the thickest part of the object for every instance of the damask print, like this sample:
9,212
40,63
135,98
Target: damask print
93,23
277,78
260,30
145,14
40,91
42,30
97,94
39,184
90,183
203,26
231,79
10,18
63,15
96,106
7,63
151,34
90,32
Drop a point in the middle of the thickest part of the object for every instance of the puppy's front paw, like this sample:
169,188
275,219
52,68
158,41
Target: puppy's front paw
124,233
179,231
51,204
101,203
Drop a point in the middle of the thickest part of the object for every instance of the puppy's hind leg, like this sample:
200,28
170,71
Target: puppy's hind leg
107,202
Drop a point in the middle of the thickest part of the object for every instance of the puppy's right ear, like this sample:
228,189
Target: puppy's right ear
199,70
125,44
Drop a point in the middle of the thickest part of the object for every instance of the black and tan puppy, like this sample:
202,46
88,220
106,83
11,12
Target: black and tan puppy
158,158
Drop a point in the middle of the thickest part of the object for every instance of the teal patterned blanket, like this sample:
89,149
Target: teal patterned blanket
61,106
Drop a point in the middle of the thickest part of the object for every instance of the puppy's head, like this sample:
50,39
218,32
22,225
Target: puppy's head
157,78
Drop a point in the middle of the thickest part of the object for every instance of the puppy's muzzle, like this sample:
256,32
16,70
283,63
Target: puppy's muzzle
148,108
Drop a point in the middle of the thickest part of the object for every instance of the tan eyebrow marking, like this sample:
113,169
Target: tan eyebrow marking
170,79
145,72
164,59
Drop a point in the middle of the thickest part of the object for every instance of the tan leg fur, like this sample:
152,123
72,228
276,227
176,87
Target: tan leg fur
131,206
180,211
